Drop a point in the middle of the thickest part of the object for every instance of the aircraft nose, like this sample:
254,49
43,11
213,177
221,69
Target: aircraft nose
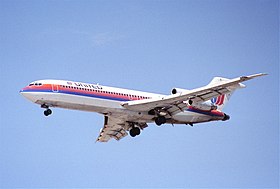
27,95
21,91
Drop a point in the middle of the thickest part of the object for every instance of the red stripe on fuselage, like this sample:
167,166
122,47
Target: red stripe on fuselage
210,113
80,90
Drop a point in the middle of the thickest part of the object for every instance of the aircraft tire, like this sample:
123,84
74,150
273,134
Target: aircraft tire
160,120
47,112
134,132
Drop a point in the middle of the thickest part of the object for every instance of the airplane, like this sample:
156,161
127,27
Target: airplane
129,111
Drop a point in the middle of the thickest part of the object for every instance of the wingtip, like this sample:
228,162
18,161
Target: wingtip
262,74
254,76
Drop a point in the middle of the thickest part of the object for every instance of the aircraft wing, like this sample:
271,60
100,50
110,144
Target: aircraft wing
113,128
174,103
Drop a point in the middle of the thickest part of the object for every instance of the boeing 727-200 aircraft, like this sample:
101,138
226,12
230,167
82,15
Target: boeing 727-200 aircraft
129,110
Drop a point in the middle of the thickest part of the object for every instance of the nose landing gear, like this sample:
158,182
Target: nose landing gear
48,111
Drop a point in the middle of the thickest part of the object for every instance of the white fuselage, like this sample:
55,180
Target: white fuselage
105,100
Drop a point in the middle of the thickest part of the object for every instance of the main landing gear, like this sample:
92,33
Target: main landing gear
160,114
160,120
134,131
48,111
135,128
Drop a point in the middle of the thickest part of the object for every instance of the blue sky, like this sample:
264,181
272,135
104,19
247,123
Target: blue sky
145,45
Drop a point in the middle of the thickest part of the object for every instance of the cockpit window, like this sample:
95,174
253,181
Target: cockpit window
36,84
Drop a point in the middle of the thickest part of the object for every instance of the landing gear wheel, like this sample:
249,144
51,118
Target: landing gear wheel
134,131
47,112
160,120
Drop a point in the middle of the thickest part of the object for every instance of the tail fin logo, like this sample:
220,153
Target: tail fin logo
218,100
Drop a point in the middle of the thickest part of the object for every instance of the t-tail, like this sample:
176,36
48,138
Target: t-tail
222,100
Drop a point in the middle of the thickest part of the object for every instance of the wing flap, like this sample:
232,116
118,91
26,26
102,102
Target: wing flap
112,128
176,108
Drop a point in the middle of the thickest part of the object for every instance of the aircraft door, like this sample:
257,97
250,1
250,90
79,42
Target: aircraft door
55,88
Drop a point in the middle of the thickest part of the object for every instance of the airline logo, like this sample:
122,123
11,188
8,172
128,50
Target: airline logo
78,84
218,100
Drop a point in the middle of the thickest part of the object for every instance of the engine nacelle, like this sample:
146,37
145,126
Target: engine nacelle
204,106
178,90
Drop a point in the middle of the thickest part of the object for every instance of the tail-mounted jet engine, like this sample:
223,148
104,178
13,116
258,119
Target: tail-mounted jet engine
178,90
202,106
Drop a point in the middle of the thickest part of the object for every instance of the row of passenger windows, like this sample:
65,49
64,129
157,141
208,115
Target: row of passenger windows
106,92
